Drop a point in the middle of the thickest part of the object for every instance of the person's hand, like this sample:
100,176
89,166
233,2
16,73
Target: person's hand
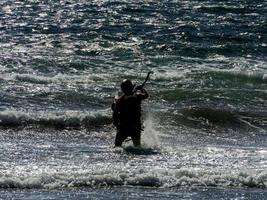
139,87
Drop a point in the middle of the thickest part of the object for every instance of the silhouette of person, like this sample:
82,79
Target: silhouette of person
127,113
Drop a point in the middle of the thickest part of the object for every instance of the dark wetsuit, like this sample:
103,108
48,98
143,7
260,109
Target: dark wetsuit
127,117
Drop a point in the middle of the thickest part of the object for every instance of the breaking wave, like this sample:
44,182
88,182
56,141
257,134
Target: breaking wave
10,118
141,178
33,79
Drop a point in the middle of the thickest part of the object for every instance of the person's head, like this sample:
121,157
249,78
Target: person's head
127,86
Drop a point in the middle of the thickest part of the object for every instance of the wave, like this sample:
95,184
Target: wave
95,119
212,115
243,76
33,79
230,79
37,79
254,120
236,88
137,178
227,9
72,119
213,79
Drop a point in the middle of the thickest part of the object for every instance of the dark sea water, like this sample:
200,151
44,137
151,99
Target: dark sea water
61,64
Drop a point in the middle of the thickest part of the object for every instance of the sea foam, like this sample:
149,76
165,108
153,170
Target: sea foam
139,177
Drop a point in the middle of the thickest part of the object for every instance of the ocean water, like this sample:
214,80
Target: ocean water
61,64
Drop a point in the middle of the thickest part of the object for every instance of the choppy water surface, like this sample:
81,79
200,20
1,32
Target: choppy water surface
61,64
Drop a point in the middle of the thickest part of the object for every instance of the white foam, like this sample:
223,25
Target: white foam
165,178
169,74
34,79
254,74
63,118
59,78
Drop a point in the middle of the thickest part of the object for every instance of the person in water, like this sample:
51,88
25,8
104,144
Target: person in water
127,113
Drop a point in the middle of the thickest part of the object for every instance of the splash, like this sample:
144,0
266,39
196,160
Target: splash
150,135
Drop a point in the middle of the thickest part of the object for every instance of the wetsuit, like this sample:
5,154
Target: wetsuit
127,117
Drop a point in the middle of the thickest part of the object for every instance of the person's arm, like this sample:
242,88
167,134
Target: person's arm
142,93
